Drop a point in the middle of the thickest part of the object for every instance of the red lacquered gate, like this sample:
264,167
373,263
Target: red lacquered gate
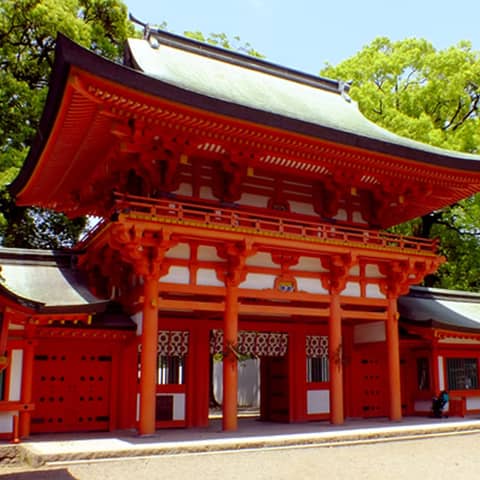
371,386
71,386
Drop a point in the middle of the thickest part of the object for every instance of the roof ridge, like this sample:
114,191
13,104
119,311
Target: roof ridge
157,37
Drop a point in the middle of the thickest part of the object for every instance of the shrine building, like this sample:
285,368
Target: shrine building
241,211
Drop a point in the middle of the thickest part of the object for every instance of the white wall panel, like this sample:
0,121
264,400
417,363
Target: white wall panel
208,277
206,193
16,368
352,289
253,200
372,290
310,285
179,275
206,253
258,281
184,189
369,332
372,271
318,401
441,374
261,259
308,264
182,251
302,208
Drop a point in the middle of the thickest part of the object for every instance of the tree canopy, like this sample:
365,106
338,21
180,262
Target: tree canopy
432,96
28,29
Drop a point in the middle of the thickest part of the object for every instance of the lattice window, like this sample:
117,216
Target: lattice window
462,373
318,369
257,344
423,373
316,346
173,343
172,349
316,351
170,370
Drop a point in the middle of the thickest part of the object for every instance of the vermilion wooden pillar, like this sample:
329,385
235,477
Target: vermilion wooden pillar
230,361
335,364
148,369
27,379
393,348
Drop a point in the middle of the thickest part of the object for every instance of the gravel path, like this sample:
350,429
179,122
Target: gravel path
444,457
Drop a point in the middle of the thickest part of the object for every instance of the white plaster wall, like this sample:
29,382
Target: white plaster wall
302,208
372,271
16,367
184,189
261,259
178,404
206,193
341,215
358,218
179,275
473,403
206,253
369,332
6,421
441,376
258,281
208,277
352,289
372,290
253,200
248,383
182,251
308,264
355,270
137,318
310,285
318,401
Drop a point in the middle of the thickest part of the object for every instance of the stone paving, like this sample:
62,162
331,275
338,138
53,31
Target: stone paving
251,434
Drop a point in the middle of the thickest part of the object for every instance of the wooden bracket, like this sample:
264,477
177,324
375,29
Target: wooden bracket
400,274
338,266
234,271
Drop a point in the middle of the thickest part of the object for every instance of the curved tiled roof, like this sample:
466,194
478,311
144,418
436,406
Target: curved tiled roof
248,82
440,308
45,281
199,83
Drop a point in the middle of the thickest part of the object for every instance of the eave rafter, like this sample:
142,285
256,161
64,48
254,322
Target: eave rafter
107,129
273,148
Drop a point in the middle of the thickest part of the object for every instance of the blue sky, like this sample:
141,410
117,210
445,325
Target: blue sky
305,34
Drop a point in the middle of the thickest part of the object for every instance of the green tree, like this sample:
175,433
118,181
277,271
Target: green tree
28,29
432,96
222,40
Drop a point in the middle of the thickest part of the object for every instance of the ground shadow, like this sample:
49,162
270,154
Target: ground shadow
56,474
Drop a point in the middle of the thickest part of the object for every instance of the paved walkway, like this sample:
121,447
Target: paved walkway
251,434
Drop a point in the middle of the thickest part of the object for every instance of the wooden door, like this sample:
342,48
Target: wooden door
370,386
274,389
71,389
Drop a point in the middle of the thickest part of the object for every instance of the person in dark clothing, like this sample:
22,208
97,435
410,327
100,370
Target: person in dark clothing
439,403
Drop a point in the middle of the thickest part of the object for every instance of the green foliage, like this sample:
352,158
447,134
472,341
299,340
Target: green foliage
431,96
222,40
28,29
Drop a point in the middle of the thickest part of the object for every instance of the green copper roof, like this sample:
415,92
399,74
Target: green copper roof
441,308
45,280
243,83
